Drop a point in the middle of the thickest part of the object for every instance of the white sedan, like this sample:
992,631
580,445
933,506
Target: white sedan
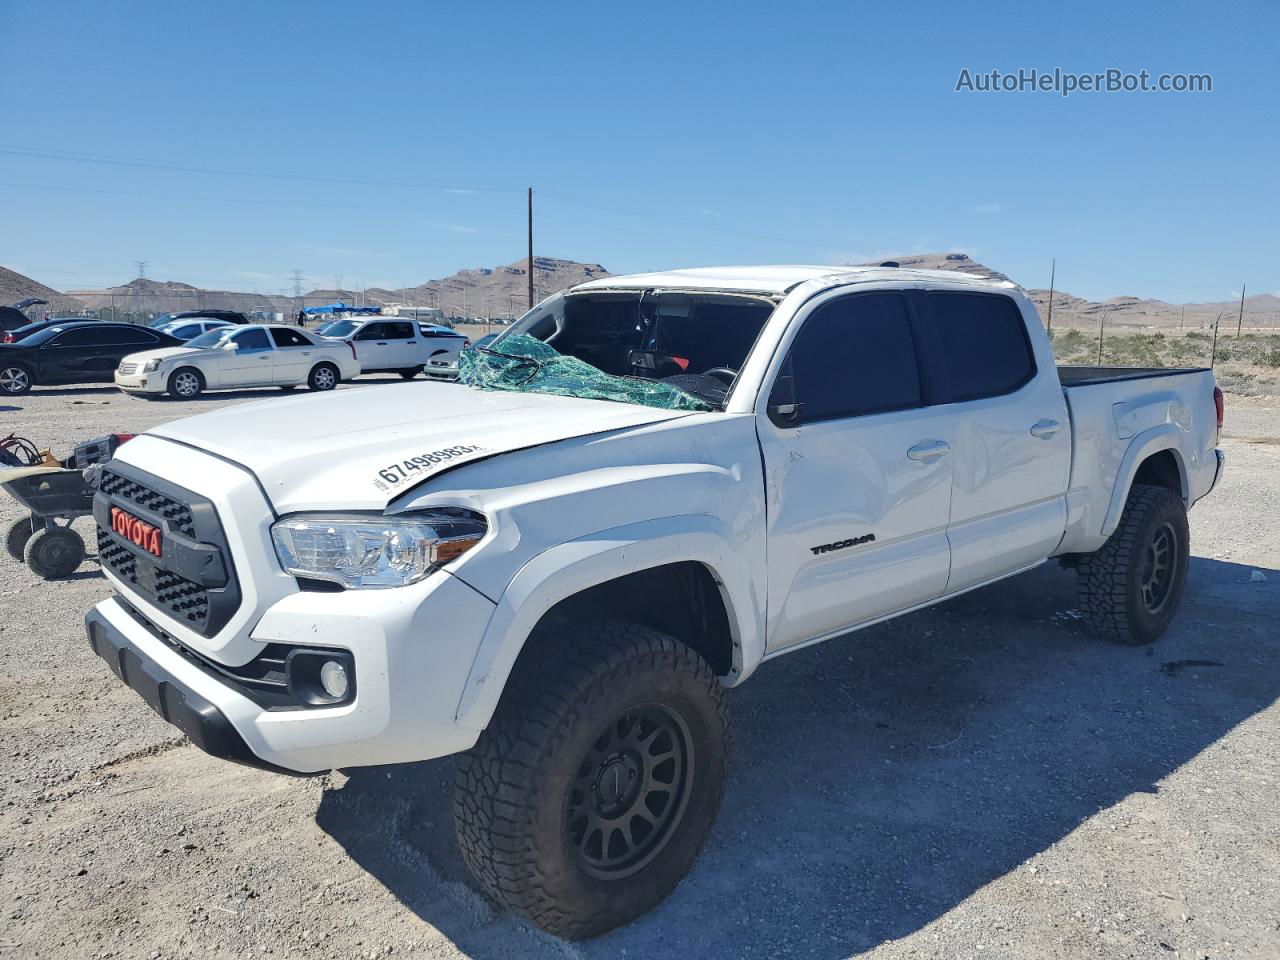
257,355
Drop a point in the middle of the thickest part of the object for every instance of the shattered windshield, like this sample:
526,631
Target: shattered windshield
677,351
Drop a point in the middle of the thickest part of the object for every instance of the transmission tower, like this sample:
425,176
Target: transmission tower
142,268
297,283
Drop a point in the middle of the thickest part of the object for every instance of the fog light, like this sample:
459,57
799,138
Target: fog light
333,677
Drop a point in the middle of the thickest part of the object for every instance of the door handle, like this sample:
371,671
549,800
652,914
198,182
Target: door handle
929,450
382,343
1044,429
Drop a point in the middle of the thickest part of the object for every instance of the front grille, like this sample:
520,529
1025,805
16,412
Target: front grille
122,488
193,581
182,599
127,368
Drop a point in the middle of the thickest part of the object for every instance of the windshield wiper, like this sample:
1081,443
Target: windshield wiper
537,364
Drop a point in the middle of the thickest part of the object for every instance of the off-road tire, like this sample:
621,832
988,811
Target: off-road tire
410,373
179,385
15,379
515,789
54,552
1109,582
16,537
323,376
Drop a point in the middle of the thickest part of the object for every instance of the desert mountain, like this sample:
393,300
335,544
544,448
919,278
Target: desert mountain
15,287
501,291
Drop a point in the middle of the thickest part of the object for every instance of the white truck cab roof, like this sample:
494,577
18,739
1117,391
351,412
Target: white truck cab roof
777,280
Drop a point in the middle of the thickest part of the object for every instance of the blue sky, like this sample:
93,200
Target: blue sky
391,142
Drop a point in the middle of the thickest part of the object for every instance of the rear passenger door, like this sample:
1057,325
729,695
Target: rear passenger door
857,473
1011,453
404,350
294,356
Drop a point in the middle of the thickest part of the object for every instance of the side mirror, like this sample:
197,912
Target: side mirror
230,345
784,414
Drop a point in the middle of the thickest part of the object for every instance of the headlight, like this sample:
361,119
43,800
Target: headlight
374,551
151,366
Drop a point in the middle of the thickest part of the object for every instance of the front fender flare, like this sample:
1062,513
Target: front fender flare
569,568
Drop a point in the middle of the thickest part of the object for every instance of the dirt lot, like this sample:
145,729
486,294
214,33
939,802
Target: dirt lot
978,780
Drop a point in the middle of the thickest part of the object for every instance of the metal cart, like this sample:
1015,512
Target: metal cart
54,497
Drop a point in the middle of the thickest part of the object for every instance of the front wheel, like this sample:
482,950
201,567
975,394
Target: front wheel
410,373
589,795
186,384
1129,589
324,376
15,380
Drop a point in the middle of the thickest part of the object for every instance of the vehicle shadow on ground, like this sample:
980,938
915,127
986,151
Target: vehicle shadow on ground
879,780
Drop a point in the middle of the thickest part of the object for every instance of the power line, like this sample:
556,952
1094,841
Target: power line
115,160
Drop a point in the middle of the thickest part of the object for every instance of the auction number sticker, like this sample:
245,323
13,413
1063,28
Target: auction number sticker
423,465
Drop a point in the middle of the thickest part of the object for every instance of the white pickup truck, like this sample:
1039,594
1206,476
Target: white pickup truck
395,345
637,494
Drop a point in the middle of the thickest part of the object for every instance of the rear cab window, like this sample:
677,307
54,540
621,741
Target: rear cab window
979,344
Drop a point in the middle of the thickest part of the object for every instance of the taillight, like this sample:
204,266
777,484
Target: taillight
8,337
466,344
1218,405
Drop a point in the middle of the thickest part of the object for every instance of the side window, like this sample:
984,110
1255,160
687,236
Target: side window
251,341
187,332
853,356
399,331
285,337
372,331
130,337
79,338
982,344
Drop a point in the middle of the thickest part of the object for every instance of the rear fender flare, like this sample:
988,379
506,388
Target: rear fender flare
1163,437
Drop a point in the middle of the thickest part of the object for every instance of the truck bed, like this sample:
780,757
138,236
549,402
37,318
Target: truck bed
1086,376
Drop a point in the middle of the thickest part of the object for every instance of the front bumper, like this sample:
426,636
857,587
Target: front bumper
153,382
203,723
412,649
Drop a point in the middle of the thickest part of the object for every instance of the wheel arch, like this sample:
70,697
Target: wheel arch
1154,457
611,575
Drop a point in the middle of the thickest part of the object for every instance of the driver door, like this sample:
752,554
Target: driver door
249,364
857,476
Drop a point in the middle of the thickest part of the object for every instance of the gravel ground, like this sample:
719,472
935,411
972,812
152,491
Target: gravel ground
982,779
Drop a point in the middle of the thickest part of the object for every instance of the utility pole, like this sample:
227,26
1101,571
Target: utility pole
142,268
1213,347
1053,274
1182,318
531,248
1240,317
1102,323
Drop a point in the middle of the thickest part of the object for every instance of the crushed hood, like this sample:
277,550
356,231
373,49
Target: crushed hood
362,448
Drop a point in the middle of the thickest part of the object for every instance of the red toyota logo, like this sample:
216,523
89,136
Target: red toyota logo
136,531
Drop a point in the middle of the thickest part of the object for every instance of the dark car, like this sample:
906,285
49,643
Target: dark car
21,333
11,318
78,352
230,316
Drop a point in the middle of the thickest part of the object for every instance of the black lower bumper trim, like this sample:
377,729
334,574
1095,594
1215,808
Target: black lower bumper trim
203,723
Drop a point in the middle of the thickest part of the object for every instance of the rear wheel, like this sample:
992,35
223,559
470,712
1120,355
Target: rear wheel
324,376
54,552
591,792
1129,589
15,380
16,537
186,383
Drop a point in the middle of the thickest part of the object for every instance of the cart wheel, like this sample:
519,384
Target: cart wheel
54,552
15,539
